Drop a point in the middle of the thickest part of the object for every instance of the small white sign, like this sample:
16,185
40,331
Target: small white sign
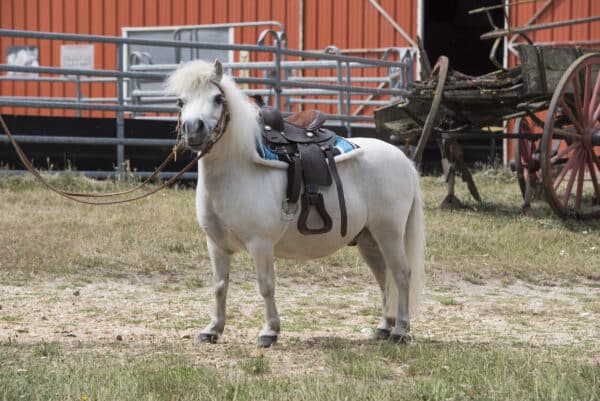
77,56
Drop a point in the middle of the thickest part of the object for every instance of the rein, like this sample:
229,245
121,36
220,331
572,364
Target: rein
214,137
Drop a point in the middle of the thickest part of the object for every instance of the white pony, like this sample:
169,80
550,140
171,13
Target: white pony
240,204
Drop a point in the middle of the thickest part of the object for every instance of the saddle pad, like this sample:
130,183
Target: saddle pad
342,146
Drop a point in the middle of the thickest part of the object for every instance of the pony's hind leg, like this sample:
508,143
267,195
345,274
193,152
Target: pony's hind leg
371,253
220,260
391,244
264,259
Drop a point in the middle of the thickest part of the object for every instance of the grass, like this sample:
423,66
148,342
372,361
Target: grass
143,268
45,234
381,371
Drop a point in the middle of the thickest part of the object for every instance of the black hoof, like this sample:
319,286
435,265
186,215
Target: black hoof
207,338
381,334
266,341
400,338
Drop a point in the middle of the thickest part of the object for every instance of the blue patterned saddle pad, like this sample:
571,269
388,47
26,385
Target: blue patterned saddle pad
341,146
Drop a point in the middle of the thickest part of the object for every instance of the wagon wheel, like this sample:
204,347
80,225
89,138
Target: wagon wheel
527,163
441,68
571,142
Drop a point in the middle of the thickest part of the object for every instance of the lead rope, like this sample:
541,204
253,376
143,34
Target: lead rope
75,196
220,129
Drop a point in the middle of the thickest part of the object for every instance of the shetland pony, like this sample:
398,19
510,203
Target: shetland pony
241,204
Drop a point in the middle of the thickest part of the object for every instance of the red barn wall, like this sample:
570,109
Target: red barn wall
345,24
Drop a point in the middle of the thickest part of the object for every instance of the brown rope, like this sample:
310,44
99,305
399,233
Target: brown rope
74,196
216,134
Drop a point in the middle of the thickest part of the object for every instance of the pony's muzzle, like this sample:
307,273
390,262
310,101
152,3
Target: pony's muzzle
194,132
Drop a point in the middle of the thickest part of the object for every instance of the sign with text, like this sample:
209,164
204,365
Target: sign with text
77,56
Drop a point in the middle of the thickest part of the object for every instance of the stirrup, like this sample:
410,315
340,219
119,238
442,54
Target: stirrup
316,200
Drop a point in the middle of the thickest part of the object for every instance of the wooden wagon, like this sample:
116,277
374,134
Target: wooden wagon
553,100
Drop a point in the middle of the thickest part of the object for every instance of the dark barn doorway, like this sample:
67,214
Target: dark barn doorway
449,30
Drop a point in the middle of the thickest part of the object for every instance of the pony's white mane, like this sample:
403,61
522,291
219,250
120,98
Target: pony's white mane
192,77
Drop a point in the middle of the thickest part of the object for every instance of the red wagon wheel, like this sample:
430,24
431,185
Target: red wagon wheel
570,145
526,157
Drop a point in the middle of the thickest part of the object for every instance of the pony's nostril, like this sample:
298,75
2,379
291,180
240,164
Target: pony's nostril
198,125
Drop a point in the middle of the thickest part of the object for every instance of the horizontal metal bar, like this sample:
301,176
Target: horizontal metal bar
261,65
76,71
194,45
150,109
105,174
184,28
83,80
156,95
66,99
335,101
81,140
13,33
8,102
335,79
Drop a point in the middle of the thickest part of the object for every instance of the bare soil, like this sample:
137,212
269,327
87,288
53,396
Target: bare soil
134,315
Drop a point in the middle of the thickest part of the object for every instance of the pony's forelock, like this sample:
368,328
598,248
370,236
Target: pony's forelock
189,77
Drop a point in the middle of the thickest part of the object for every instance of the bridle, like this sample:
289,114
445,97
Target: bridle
80,197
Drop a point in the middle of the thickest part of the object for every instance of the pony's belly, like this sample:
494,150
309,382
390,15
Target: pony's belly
298,246
306,249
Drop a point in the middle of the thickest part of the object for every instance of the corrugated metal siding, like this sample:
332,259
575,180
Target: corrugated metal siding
558,10
345,24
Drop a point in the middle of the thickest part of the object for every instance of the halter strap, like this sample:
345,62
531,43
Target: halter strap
217,132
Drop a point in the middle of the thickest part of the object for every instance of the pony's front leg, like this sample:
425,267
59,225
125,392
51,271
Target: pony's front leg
264,259
220,260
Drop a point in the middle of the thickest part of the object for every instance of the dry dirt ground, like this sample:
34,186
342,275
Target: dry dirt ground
136,314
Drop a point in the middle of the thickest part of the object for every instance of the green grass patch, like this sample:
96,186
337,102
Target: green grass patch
447,300
381,371
255,365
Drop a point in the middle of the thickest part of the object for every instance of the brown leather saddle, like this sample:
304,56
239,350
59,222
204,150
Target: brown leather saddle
301,141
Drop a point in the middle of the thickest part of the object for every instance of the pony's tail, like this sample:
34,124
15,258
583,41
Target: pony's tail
414,245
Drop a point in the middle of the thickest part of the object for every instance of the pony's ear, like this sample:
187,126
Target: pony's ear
217,71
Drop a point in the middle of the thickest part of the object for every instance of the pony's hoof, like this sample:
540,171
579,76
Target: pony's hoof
207,338
381,334
401,338
266,341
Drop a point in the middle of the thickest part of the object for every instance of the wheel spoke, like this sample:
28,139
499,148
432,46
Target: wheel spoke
563,172
577,95
595,158
581,173
571,181
597,111
592,168
569,113
563,152
594,99
563,133
586,92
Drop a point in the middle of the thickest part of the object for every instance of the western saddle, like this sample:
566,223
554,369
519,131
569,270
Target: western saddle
301,141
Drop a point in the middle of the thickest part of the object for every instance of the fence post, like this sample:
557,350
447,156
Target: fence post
78,93
278,37
120,113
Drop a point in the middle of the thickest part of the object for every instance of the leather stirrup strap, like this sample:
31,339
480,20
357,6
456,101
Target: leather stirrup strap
340,191
294,179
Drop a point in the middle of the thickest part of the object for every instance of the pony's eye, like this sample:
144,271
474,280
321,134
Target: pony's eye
180,102
218,99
